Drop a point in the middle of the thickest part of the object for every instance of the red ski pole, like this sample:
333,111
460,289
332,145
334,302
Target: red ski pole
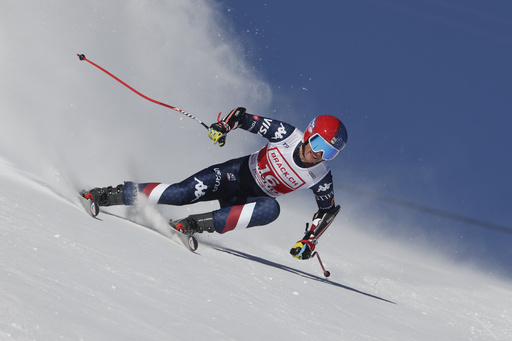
82,57
326,273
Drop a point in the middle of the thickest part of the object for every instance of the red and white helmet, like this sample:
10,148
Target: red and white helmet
327,134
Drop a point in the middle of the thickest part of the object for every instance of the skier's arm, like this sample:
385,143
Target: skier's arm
322,219
324,193
271,129
304,248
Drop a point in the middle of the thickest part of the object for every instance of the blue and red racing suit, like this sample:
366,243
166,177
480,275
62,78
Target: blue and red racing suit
247,187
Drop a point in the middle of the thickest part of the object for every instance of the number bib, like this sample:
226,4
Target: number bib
275,171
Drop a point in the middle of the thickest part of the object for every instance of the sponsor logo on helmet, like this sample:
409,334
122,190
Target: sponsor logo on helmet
312,125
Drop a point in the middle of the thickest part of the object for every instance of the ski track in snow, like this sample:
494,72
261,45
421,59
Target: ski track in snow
68,276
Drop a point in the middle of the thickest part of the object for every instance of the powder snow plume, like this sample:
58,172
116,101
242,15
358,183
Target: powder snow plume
75,126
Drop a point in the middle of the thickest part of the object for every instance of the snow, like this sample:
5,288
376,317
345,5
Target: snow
67,126
68,276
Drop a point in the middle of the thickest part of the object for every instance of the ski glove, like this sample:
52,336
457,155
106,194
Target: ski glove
303,249
218,130
217,133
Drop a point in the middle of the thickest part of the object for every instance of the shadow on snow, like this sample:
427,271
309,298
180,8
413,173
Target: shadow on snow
296,272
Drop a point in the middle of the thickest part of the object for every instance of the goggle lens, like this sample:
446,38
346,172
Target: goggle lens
319,144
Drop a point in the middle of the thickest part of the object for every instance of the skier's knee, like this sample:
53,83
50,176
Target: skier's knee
267,210
263,211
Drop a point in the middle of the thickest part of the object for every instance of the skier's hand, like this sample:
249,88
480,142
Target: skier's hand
302,249
217,132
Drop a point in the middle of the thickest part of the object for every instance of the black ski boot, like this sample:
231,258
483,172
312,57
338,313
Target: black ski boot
196,223
106,196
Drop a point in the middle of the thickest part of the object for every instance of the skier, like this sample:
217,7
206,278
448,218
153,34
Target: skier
247,187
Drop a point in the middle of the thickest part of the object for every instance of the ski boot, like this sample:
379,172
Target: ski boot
196,223
106,196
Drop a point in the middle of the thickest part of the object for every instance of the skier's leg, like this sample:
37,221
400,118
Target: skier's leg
126,194
212,183
261,211
208,184
189,191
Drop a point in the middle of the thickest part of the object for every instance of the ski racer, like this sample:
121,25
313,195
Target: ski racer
247,187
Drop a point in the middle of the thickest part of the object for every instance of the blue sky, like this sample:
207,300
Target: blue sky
424,89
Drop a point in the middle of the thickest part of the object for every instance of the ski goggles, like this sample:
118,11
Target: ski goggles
319,144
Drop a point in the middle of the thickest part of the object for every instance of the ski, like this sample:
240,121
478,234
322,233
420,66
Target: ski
187,238
92,208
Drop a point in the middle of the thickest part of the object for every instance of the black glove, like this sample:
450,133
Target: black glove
302,249
218,130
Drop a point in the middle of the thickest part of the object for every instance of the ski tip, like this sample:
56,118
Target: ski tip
90,206
95,209
192,243
186,238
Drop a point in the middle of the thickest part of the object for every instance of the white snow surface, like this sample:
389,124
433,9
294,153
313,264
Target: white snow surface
67,276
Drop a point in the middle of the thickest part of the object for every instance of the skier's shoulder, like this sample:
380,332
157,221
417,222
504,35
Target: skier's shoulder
292,136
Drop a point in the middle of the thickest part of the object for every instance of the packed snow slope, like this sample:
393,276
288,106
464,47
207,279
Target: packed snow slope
65,275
